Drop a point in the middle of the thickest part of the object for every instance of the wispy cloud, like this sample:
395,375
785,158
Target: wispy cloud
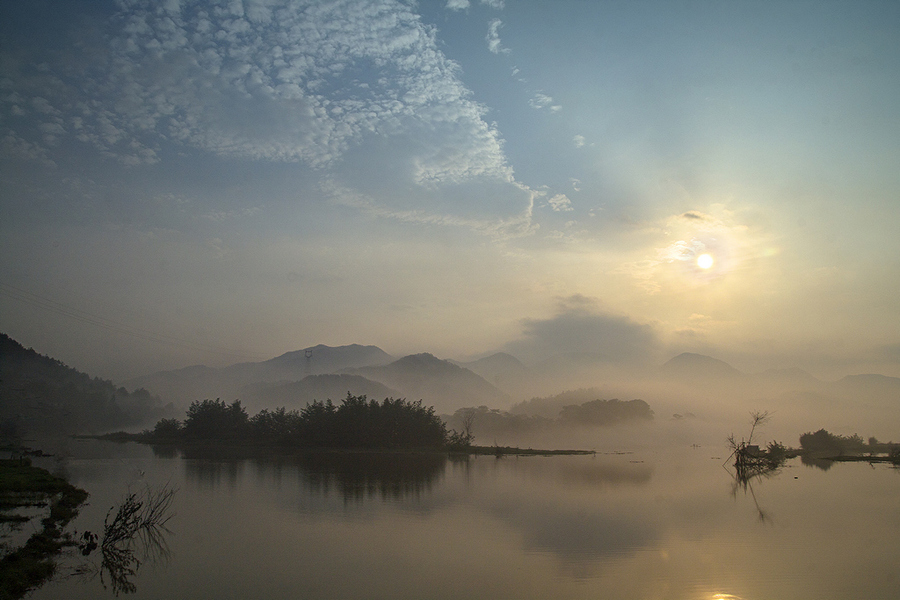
493,37
500,229
543,101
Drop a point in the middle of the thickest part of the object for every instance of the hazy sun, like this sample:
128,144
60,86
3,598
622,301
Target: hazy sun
705,261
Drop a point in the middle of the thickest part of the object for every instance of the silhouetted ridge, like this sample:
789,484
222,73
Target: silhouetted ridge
296,394
438,382
186,385
689,364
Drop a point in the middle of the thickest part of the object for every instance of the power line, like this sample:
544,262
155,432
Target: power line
75,314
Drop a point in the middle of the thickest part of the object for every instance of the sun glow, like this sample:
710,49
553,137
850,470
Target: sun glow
705,261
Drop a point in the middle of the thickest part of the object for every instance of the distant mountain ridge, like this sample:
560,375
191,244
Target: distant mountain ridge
322,372
297,394
70,399
199,382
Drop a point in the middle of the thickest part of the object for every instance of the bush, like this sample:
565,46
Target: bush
605,412
167,429
823,441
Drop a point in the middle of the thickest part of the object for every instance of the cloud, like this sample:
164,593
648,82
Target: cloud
464,4
493,37
283,81
560,202
578,140
696,216
682,250
541,101
329,86
514,226
581,327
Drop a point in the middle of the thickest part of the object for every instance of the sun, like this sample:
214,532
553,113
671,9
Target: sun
705,261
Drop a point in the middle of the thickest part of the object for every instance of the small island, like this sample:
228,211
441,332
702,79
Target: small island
820,448
357,423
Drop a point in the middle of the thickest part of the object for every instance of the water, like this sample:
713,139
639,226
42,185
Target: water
651,523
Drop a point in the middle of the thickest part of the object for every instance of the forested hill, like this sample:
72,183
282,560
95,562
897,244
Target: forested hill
41,395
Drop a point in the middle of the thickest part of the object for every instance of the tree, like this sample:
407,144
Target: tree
213,419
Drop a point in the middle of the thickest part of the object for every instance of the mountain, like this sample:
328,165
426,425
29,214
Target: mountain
316,360
183,386
297,394
41,395
688,366
503,370
436,382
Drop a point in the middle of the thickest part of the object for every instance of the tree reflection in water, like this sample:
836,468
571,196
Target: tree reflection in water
355,475
743,480
132,535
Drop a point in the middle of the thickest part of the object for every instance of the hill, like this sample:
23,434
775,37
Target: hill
698,367
41,395
436,382
503,370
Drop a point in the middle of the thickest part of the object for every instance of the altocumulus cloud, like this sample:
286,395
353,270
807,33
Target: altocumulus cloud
328,85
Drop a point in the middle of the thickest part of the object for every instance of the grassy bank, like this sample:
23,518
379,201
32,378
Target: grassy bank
23,485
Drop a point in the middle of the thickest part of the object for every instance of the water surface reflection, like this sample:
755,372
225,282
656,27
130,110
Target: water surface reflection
367,525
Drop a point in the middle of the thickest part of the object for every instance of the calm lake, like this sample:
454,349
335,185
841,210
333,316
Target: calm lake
625,523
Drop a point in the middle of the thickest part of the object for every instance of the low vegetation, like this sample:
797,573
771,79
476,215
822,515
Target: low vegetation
491,422
824,441
23,485
823,444
750,459
132,533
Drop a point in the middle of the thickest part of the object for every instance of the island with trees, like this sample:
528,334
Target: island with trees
356,423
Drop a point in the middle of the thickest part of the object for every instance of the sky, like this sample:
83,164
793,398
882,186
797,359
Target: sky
187,182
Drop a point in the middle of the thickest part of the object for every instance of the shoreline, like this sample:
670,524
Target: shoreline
234,445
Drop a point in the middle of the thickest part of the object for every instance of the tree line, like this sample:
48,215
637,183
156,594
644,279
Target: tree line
356,422
595,413
825,441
